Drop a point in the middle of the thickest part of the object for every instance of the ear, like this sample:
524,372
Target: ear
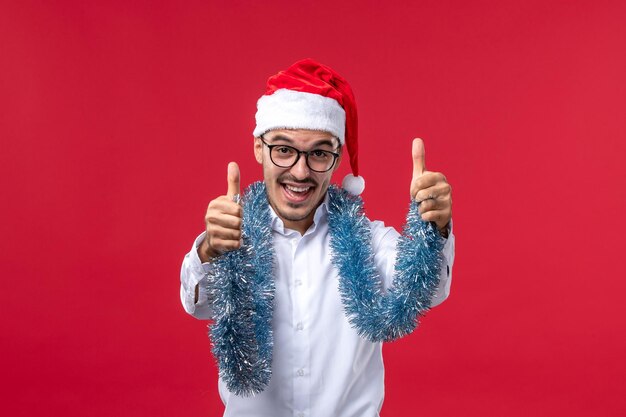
258,150
339,158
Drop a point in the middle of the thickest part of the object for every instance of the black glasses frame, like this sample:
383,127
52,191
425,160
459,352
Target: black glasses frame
299,152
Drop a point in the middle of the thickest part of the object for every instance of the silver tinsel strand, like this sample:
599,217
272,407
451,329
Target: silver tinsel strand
241,285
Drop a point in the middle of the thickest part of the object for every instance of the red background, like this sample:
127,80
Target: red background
117,120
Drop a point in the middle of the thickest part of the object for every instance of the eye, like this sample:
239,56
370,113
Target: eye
319,154
284,150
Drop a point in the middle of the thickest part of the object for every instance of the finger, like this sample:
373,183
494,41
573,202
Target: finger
224,205
439,191
418,152
222,246
441,217
233,179
222,233
427,180
428,205
224,220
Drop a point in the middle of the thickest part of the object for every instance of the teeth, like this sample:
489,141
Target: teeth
297,189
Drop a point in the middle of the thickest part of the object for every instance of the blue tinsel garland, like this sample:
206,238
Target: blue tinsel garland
241,285
376,315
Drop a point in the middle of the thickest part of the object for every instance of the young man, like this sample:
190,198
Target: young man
301,286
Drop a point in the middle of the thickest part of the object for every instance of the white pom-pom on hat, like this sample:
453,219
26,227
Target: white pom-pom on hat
353,185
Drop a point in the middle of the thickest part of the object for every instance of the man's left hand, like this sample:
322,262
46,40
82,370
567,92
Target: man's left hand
431,189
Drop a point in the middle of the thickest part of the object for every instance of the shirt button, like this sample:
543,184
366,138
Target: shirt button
300,326
300,414
298,283
300,372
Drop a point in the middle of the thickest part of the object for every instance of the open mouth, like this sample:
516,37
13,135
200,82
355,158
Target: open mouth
297,193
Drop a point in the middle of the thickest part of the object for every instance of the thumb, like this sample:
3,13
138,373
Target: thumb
418,152
233,179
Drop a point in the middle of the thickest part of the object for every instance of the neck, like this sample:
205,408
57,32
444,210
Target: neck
300,226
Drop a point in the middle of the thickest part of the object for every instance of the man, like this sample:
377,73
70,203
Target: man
300,285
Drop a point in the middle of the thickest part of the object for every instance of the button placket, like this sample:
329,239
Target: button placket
301,370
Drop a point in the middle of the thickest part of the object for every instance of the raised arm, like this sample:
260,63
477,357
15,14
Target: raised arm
223,220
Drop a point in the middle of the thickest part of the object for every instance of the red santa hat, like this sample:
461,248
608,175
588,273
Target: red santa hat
309,95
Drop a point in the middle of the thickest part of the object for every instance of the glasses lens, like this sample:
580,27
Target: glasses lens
284,156
320,160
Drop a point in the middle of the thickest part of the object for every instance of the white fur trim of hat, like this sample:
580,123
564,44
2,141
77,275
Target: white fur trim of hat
288,109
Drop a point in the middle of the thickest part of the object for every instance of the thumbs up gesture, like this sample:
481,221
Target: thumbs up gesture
223,220
431,189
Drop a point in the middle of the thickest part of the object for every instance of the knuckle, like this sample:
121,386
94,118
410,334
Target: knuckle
213,242
211,218
216,233
212,237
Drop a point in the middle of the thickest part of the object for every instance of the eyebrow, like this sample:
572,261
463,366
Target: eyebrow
328,142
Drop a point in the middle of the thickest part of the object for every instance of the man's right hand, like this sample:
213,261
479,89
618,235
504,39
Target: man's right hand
223,220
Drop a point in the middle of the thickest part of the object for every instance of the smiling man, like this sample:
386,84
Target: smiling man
301,287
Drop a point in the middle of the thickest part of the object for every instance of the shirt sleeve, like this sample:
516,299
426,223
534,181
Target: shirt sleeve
384,240
193,272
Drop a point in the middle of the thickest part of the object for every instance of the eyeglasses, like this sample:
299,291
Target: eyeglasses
317,160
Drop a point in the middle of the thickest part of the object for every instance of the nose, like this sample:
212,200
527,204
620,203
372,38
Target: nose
300,170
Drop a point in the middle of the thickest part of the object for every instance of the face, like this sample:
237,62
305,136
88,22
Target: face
294,193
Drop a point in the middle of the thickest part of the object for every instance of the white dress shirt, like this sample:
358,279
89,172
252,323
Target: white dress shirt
321,367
